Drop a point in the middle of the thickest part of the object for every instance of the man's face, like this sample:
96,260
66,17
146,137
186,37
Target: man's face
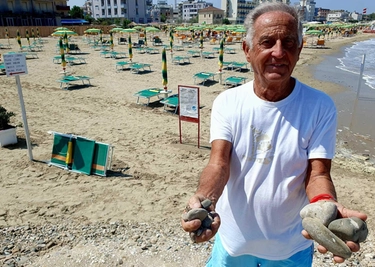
275,50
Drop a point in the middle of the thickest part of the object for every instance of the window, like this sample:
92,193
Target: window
115,11
109,11
136,11
122,11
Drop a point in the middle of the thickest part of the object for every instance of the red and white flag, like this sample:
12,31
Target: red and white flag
364,10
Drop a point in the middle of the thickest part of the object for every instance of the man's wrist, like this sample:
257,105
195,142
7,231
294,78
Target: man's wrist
322,197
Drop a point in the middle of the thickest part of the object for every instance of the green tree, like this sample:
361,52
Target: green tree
89,18
76,12
125,23
163,18
225,21
193,19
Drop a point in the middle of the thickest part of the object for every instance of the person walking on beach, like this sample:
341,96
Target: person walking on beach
272,141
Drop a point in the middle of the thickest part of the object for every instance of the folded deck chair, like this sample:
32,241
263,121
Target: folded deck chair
83,155
62,150
102,159
234,80
148,93
171,101
204,76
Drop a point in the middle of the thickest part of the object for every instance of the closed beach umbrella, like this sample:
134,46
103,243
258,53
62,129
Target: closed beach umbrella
164,68
111,40
145,38
7,35
171,39
101,36
221,54
27,36
33,34
19,38
201,40
62,54
66,43
130,48
37,32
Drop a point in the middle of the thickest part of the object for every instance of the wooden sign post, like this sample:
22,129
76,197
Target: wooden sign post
188,99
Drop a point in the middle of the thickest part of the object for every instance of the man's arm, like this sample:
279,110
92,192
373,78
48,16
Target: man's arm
211,185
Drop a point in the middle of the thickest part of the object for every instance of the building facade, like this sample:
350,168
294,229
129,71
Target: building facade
189,9
133,10
237,10
308,10
32,13
210,15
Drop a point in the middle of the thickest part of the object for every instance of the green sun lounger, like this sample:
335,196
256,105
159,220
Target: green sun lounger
102,159
171,101
83,155
238,66
203,76
122,65
140,67
208,54
148,93
234,80
181,60
67,80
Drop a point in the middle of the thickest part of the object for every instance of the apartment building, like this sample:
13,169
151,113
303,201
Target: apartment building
32,13
210,15
237,10
133,10
189,9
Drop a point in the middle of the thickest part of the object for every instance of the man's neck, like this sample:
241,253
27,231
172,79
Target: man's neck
274,92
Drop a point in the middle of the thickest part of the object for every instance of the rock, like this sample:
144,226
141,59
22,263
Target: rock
349,229
325,237
193,214
206,203
325,211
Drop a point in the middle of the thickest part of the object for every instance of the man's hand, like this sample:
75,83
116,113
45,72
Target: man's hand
193,225
342,213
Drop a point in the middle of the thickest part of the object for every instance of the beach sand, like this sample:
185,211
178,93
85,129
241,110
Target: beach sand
152,175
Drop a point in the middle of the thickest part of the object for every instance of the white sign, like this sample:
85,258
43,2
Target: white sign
15,64
188,102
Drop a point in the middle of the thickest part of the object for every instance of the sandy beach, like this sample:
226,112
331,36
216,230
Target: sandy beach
50,216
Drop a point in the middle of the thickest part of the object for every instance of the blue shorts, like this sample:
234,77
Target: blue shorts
221,258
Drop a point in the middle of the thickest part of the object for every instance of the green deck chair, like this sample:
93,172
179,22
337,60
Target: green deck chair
83,155
102,159
62,150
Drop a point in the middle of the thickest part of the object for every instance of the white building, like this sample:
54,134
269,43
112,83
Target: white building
237,10
338,15
133,10
308,9
189,9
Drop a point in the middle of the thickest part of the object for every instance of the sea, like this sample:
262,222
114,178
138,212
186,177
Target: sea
353,58
355,105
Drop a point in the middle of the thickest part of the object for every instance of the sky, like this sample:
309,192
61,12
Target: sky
350,5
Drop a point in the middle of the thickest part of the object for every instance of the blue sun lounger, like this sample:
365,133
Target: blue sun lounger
208,54
238,66
204,76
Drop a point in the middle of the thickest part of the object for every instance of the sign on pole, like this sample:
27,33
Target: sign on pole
188,100
15,65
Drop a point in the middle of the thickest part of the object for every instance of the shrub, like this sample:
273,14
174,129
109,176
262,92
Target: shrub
5,118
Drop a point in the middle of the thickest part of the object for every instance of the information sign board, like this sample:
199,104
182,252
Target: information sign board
15,64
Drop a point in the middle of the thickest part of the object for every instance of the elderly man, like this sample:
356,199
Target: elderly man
272,144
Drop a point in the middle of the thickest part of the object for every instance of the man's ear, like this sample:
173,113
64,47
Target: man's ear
246,49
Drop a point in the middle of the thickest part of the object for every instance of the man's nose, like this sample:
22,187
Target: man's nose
278,50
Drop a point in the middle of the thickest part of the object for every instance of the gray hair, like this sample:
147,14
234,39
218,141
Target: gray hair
269,7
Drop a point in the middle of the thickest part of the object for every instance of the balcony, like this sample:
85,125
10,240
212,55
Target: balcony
62,8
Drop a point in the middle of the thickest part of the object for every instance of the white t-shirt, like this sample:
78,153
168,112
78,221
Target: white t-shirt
272,142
